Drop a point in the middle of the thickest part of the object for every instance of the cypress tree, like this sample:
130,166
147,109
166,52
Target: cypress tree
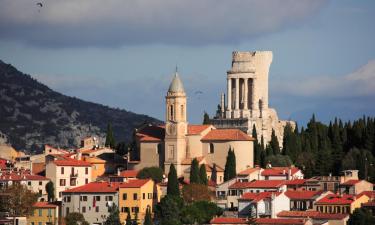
172,187
194,172
256,146
203,174
274,143
128,219
148,219
214,173
206,118
110,140
230,166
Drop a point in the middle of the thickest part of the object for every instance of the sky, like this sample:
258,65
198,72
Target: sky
123,53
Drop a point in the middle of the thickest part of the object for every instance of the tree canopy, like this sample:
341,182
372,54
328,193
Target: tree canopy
194,172
230,166
172,187
155,173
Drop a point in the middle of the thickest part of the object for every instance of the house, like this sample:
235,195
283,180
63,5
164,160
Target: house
281,173
135,196
249,174
331,183
239,188
261,221
44,213
34,183
67,173
123,176
335,203
263,204
92,200
219,172
317,217
228,221
223,199
354,187
302,200
297,184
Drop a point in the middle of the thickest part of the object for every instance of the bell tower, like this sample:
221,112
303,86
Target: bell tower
175,125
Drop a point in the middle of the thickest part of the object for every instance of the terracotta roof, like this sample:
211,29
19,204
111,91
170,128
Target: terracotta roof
38,168
95,187
197,129
274,221
279,171
228,220
370,194
18,177
151,133
44,205
248,171
63,151
70,162
336,199
350,182
134,183
303,194
226,135
129,173
257,184
295,182
256,197
312,214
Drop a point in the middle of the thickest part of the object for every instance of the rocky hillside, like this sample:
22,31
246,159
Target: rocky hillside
31,115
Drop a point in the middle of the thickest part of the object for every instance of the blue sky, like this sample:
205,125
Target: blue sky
123,53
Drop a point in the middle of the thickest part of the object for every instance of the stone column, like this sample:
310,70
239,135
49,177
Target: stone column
246,93
229,91
237,94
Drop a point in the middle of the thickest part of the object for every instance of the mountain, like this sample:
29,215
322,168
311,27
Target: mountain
32,114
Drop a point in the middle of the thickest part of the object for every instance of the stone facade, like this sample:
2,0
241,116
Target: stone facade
247,97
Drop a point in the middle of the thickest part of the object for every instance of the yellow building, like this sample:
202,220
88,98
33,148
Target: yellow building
44,213
135,196
98,166
344,204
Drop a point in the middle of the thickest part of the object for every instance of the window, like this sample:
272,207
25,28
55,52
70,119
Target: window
325,186
39,212
49,212
123,209
144,195
62,182
171,112
109,198
84,198
149,196
72,171
29,183
171,151
73,182
86,181
135,209
67,199
212,150
83,209
62,170
97,209
32,223
86,170
40,192
40,183
124,196
135,196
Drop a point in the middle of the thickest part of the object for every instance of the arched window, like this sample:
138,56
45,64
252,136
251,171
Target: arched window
171,112
182,111
212,150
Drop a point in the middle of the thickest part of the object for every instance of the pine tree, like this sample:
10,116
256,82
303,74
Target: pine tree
203,174
148,219
206,118
194,172
110,140
172,187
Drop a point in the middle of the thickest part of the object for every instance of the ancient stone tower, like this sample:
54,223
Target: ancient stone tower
247,97
176,125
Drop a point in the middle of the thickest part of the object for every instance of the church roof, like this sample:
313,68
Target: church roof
227,135
197,129
176,84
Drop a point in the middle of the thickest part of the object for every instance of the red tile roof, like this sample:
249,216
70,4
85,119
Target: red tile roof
335,199
38,168
303,194
256,197
269,221
44,205
227,135
95,187
228,220
312,214
18,177
248,171
350,182
295,182
370,194
151,133
129,173
197,129
71,162
279,171
134,183
258,184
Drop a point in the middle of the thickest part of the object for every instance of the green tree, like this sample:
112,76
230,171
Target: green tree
50,189
129,220
230,166
200,212
168,211
122,148
279,160
155,173
214,173
256,146
148,219
274,143
206,118
110,139
361,216
203,174
172,187
114,216
75,218
194,172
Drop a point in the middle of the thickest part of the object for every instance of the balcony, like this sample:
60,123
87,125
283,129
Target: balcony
74,175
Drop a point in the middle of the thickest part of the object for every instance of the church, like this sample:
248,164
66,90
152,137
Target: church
179,142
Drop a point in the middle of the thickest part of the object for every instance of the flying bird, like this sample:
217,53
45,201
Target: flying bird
39,4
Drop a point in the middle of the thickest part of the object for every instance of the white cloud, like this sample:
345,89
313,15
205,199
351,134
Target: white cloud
122,22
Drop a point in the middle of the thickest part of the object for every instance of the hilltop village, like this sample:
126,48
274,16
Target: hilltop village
226,171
